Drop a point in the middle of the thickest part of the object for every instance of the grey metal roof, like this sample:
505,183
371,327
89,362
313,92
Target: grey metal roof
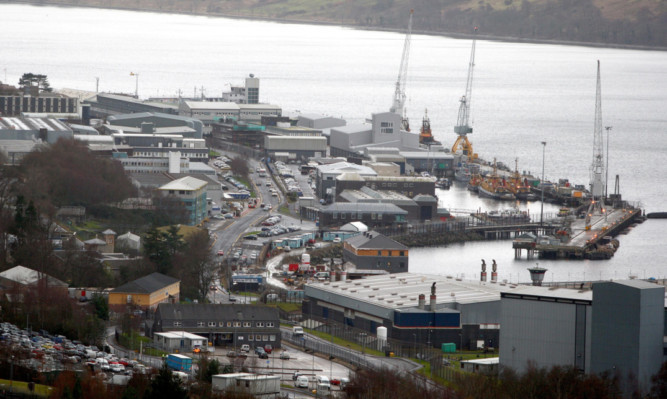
147,284
364,207
374,240
209,311
401,290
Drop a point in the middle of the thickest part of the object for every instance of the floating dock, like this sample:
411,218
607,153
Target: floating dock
580,243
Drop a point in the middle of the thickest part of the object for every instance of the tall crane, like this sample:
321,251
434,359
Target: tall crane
597,167
463,128
398,105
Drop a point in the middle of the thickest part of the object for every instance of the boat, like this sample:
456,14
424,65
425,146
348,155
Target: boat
495,187
443,183
474,182
509,215
462,173
563,212
491,190
425,135
519,186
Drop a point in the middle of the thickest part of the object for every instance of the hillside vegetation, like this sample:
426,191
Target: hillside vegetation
603,22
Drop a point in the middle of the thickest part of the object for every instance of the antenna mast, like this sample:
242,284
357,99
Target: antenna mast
597,167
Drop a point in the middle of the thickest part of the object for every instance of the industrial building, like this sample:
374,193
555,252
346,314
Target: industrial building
463,312
373,251
405,185
421,207
325,177
384,130
159,123
179,341
231,325
370,214
617,327
294,147
246,94
43,103
191,193
105,104
47,130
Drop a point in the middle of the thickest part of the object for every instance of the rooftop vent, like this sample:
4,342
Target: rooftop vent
371,296
375,288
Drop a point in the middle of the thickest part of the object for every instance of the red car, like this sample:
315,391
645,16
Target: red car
268,348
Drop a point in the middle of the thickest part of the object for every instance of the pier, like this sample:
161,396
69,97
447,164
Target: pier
578,242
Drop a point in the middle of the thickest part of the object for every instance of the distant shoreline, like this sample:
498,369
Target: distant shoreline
358,27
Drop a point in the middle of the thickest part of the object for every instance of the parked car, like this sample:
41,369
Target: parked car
250,237
228,216
268,348
245,348
284,355
263,355
259,350
231,354
221,252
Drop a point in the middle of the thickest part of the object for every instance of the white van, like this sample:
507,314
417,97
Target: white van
323,381
245,348
301,382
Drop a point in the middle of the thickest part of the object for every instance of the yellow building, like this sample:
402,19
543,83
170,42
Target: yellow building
146,292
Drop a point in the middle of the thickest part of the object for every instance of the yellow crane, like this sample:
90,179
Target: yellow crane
462,145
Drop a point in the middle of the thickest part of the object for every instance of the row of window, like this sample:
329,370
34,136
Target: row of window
235,324
354,216
258,337
199,154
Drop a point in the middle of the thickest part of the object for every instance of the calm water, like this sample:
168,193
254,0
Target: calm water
522,94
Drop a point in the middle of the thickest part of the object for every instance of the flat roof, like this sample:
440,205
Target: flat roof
179,334
402,290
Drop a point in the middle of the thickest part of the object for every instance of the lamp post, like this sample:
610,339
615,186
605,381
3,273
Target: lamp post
606,178
415,339
136,84
544,147
11,374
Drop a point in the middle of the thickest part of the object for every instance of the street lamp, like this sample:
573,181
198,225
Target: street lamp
544,147
136,84
415,338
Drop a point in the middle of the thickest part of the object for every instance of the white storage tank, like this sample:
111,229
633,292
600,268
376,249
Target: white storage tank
382,338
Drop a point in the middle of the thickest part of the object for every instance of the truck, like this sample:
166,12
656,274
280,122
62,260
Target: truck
179,362
297,331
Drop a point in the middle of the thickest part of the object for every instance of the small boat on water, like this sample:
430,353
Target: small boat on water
495,187
509,215
495,191
443,183
519,185
474,182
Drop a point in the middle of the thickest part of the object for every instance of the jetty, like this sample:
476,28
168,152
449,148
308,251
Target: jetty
580,240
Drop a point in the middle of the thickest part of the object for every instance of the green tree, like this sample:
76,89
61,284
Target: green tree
239,166
196,266
101,307
165,385
37,81
161,247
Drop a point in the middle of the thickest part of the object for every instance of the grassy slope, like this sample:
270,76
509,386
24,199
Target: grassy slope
626,22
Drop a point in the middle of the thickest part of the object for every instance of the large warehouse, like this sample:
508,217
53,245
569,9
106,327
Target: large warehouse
420,307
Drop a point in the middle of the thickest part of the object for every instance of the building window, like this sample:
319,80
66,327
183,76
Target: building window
269,324
200,324
251,337
402,253
237,324
229,324
260,324
177,324
247,324
379,253
272,338
221,324
265,338
258,337
211,324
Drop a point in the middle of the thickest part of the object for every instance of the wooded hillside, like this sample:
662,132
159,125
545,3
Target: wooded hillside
604,22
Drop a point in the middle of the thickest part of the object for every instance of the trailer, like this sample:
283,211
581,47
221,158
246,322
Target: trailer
179,362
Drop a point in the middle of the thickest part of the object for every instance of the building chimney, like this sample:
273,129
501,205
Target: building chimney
432,303
494,272
482,276
422,301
